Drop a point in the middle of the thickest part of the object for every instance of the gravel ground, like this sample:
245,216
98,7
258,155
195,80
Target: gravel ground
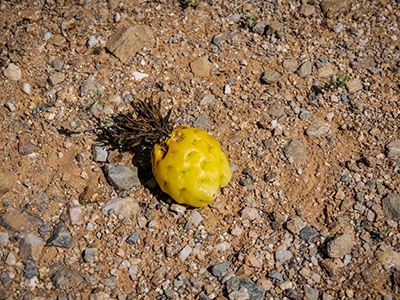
304,99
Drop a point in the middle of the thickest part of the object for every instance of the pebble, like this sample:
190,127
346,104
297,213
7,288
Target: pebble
88,87
305,69
295,152
310,293
10,260
290,65
338,27
333,8
100,153
3,238
250,213
26,146
201,66
393,149
318,127
20,221
203,122
76,216
31,248
295,225
274,274
64,277
47,36
127,41
276,28
185,252
304,114
388,257
26,88
391,206
122,177
283,255
354,85
327,70
236,284
207,99
307,234
92,42
60,237
133,238
137,76
222,246
6,279
236,231
30,269
227,89
260,27
307,10
270,76
340,246
57,64
56,78
220,269
12,72
124,207
196,218
89,255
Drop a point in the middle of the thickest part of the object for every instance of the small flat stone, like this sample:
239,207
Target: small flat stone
391,206
388,257
283,255
31,248
89,255
307,234
3,238
203,122
290,65
207,99
220,269
26,88
307,10
260,27
318,127
393,149
76,216
57,64
5,279
100,153
295,152
20,221
6,183
327,70
276,28
276,110
236,284
333,8
185,252
270,76
88,87
354,85
340,246
127,41
12,72
201,66
138,76
295,225
310,293
124,207
56,78
64,277
122,177
274,274
26,146
196,218
133,238
60,237
250,213
305,69
11,260
30,270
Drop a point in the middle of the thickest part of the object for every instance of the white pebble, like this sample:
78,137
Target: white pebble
330,116
196,218
185,252
139,76
227,89
222,246
3,238
47,36
10,259
26,88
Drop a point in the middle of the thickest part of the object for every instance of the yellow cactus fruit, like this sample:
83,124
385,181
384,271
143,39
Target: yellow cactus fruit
190,166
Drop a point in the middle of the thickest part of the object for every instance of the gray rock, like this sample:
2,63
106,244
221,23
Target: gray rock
20,221
133,238
304,114
3,238
90,255
127,41
338,27
295,225
393,149
5,279
275,27
283,255
201,67
100,153
12,72
307,234
318,127
305,69
260,27
57,64
202,122
274,274
333,8
92,42
295,152
250,213
60,237
122,177
276,110
88,87
124,207
340,246
290,65
31,247
235,284
56,78
270,76
310,293
354,85
207,99
391,206
64,278
110,281
220,269
30,269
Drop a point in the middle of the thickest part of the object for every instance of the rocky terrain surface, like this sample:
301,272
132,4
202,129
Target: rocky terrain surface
303,97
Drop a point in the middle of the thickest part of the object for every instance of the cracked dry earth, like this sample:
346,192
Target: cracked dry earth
303,97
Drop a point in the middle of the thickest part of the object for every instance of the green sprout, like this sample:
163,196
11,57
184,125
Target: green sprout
338,81
250,21
385,232
191,3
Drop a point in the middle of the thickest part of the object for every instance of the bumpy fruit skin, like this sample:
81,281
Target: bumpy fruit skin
190,166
